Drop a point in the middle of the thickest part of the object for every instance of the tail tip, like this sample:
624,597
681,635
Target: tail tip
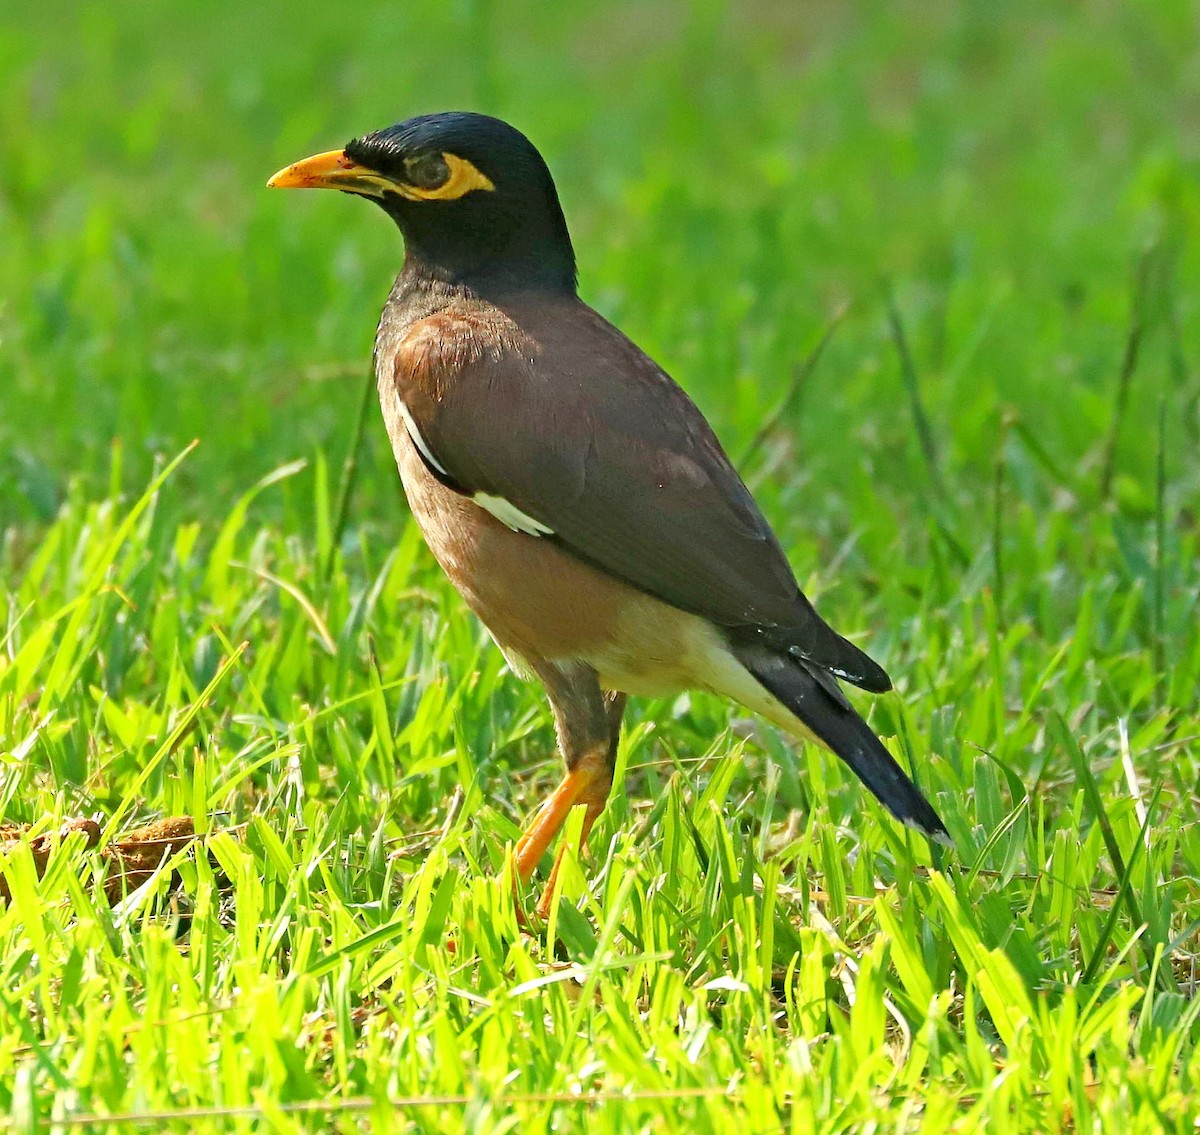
931,827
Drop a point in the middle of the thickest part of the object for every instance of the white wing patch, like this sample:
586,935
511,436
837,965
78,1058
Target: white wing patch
417,439
512,517
504,511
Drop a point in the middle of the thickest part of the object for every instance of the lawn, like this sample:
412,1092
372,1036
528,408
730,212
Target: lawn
932,271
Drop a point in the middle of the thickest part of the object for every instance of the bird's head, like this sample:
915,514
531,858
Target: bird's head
471,194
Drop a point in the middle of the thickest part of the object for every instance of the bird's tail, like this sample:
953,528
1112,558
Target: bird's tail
817,700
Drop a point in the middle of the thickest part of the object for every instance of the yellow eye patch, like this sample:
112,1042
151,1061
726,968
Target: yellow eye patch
461,178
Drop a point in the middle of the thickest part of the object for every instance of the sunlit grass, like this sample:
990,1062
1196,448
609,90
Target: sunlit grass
989,216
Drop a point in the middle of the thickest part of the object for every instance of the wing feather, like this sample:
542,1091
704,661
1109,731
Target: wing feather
585,435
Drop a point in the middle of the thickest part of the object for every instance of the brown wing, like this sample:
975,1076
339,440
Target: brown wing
581,431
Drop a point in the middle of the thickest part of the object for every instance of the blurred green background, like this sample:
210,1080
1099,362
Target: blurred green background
990,210
732,175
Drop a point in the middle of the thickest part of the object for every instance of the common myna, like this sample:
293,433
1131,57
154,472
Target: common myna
572,492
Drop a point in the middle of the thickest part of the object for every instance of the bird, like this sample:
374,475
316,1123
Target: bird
570,489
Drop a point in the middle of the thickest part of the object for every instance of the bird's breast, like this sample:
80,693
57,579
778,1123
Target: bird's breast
534,598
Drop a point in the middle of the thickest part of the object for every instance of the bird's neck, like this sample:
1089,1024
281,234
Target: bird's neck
491,254
493,281
493,277
418,294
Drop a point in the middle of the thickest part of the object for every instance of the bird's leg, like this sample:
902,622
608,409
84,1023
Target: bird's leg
614,707
588,723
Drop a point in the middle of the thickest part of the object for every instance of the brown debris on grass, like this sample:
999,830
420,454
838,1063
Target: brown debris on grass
132,858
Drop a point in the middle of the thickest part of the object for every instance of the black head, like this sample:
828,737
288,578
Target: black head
473,198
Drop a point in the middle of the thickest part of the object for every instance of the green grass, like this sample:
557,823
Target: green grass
1006,200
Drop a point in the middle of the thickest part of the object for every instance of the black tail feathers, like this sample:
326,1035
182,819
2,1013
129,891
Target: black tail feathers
833,720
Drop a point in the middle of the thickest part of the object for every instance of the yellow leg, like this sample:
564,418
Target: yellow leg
588,783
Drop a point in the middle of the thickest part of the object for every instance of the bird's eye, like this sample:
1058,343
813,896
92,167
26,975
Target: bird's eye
426,171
